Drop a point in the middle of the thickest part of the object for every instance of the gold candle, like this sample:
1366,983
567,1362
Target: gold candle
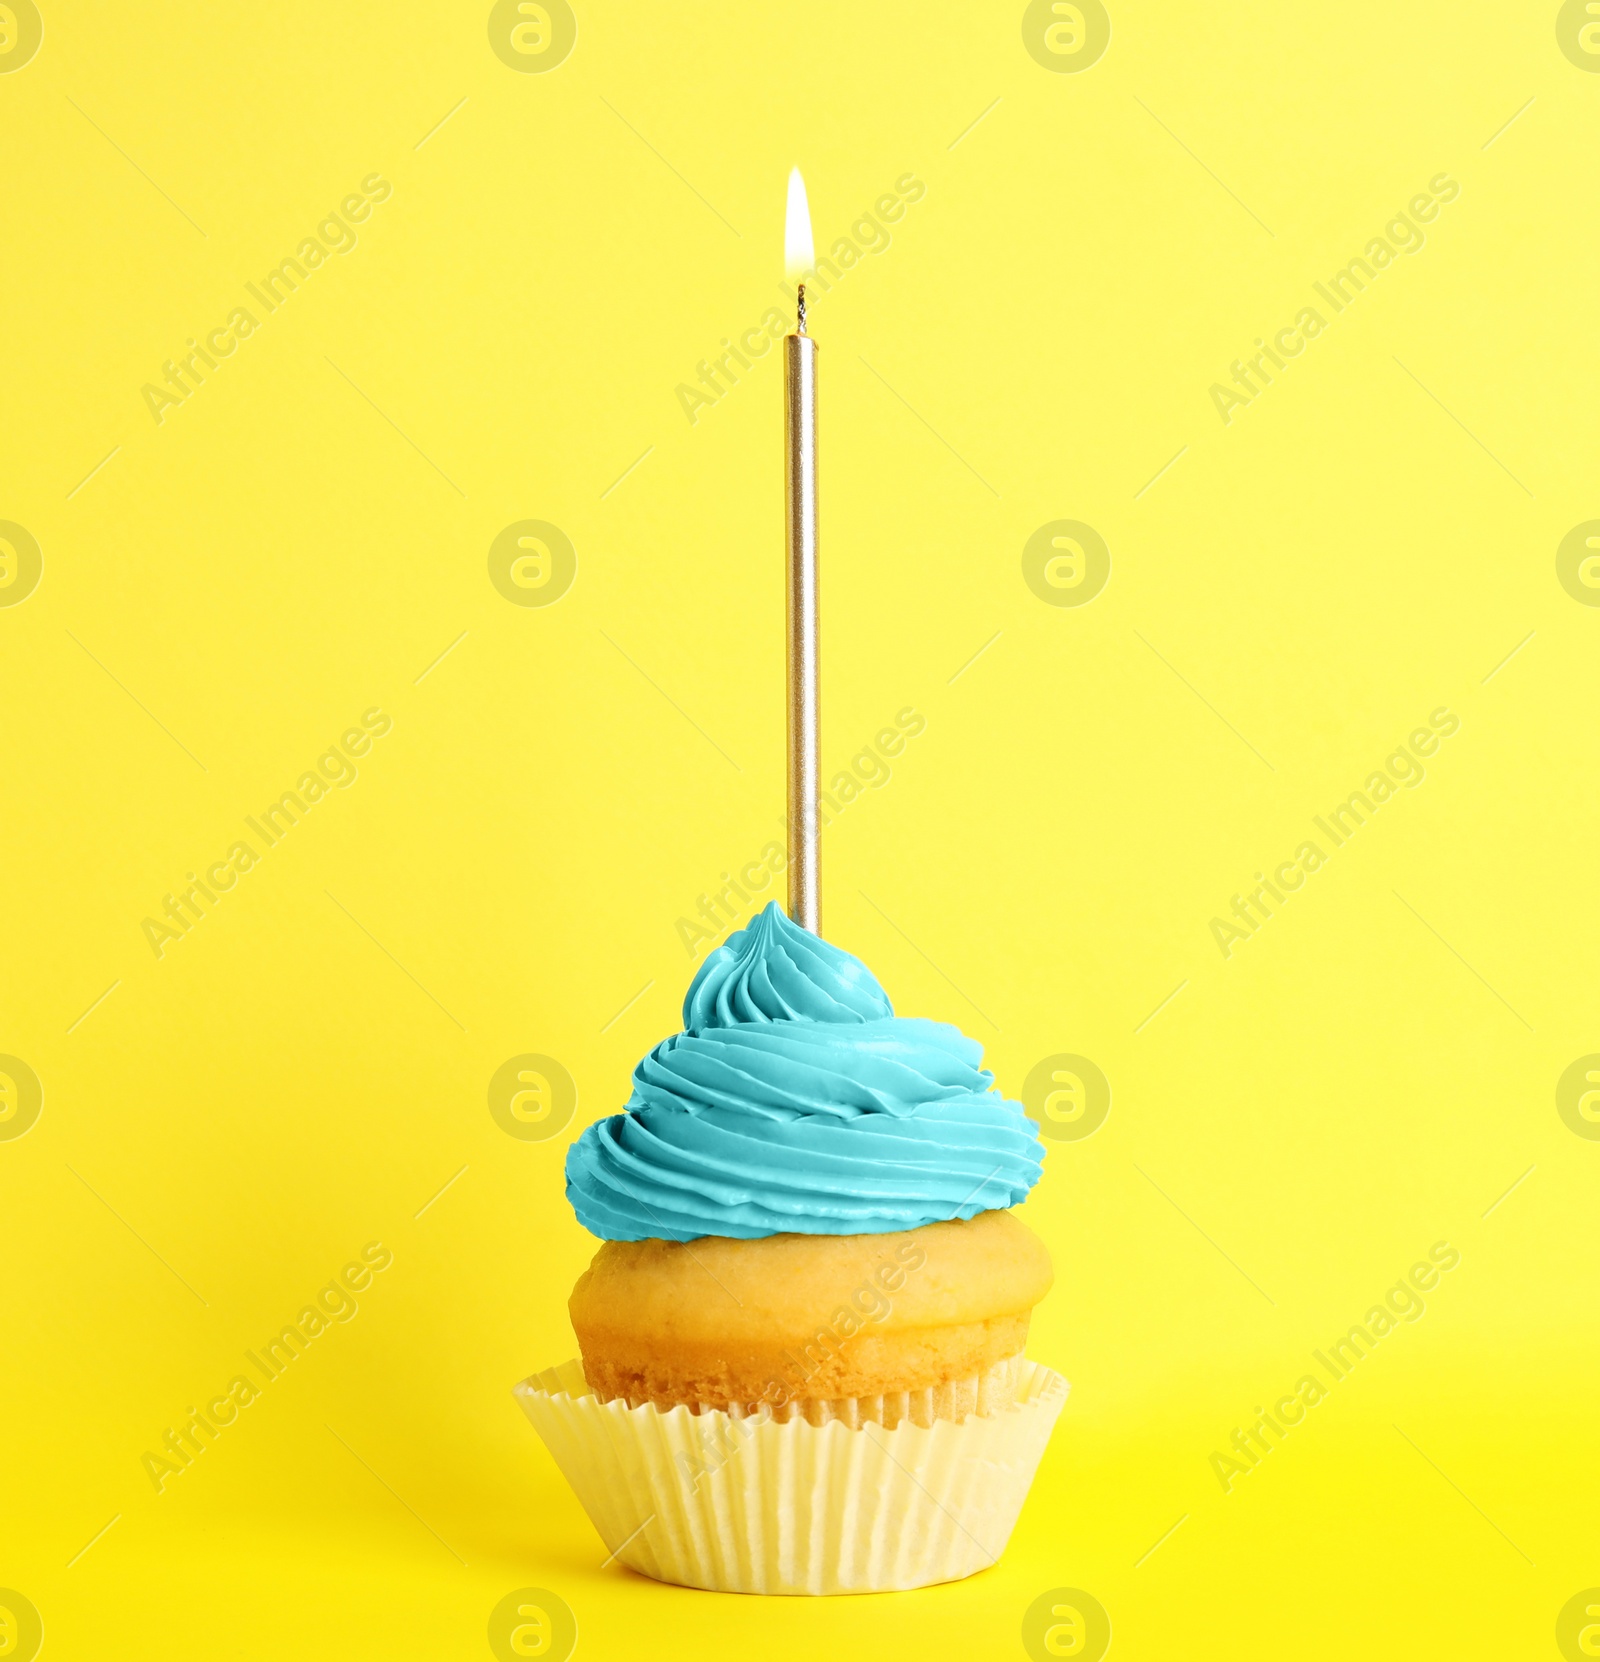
800,510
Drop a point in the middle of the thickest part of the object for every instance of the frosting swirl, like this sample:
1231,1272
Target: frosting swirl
795,1100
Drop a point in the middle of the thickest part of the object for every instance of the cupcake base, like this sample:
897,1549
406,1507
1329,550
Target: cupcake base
993,1389
728,1322
747,1503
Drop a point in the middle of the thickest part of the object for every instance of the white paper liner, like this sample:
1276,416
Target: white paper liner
747,1504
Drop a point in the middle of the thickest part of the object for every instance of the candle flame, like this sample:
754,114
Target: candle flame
798,254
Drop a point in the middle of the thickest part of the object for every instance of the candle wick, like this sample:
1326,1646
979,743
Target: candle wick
800,310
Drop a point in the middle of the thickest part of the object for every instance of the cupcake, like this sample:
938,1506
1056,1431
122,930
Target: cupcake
802,1336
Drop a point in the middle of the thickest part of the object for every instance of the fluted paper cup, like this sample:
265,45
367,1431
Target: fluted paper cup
745,1503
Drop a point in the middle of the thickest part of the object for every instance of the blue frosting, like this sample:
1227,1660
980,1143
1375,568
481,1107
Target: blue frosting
795,1100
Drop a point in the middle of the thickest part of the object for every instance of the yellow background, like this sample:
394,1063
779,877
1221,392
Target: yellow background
304,537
